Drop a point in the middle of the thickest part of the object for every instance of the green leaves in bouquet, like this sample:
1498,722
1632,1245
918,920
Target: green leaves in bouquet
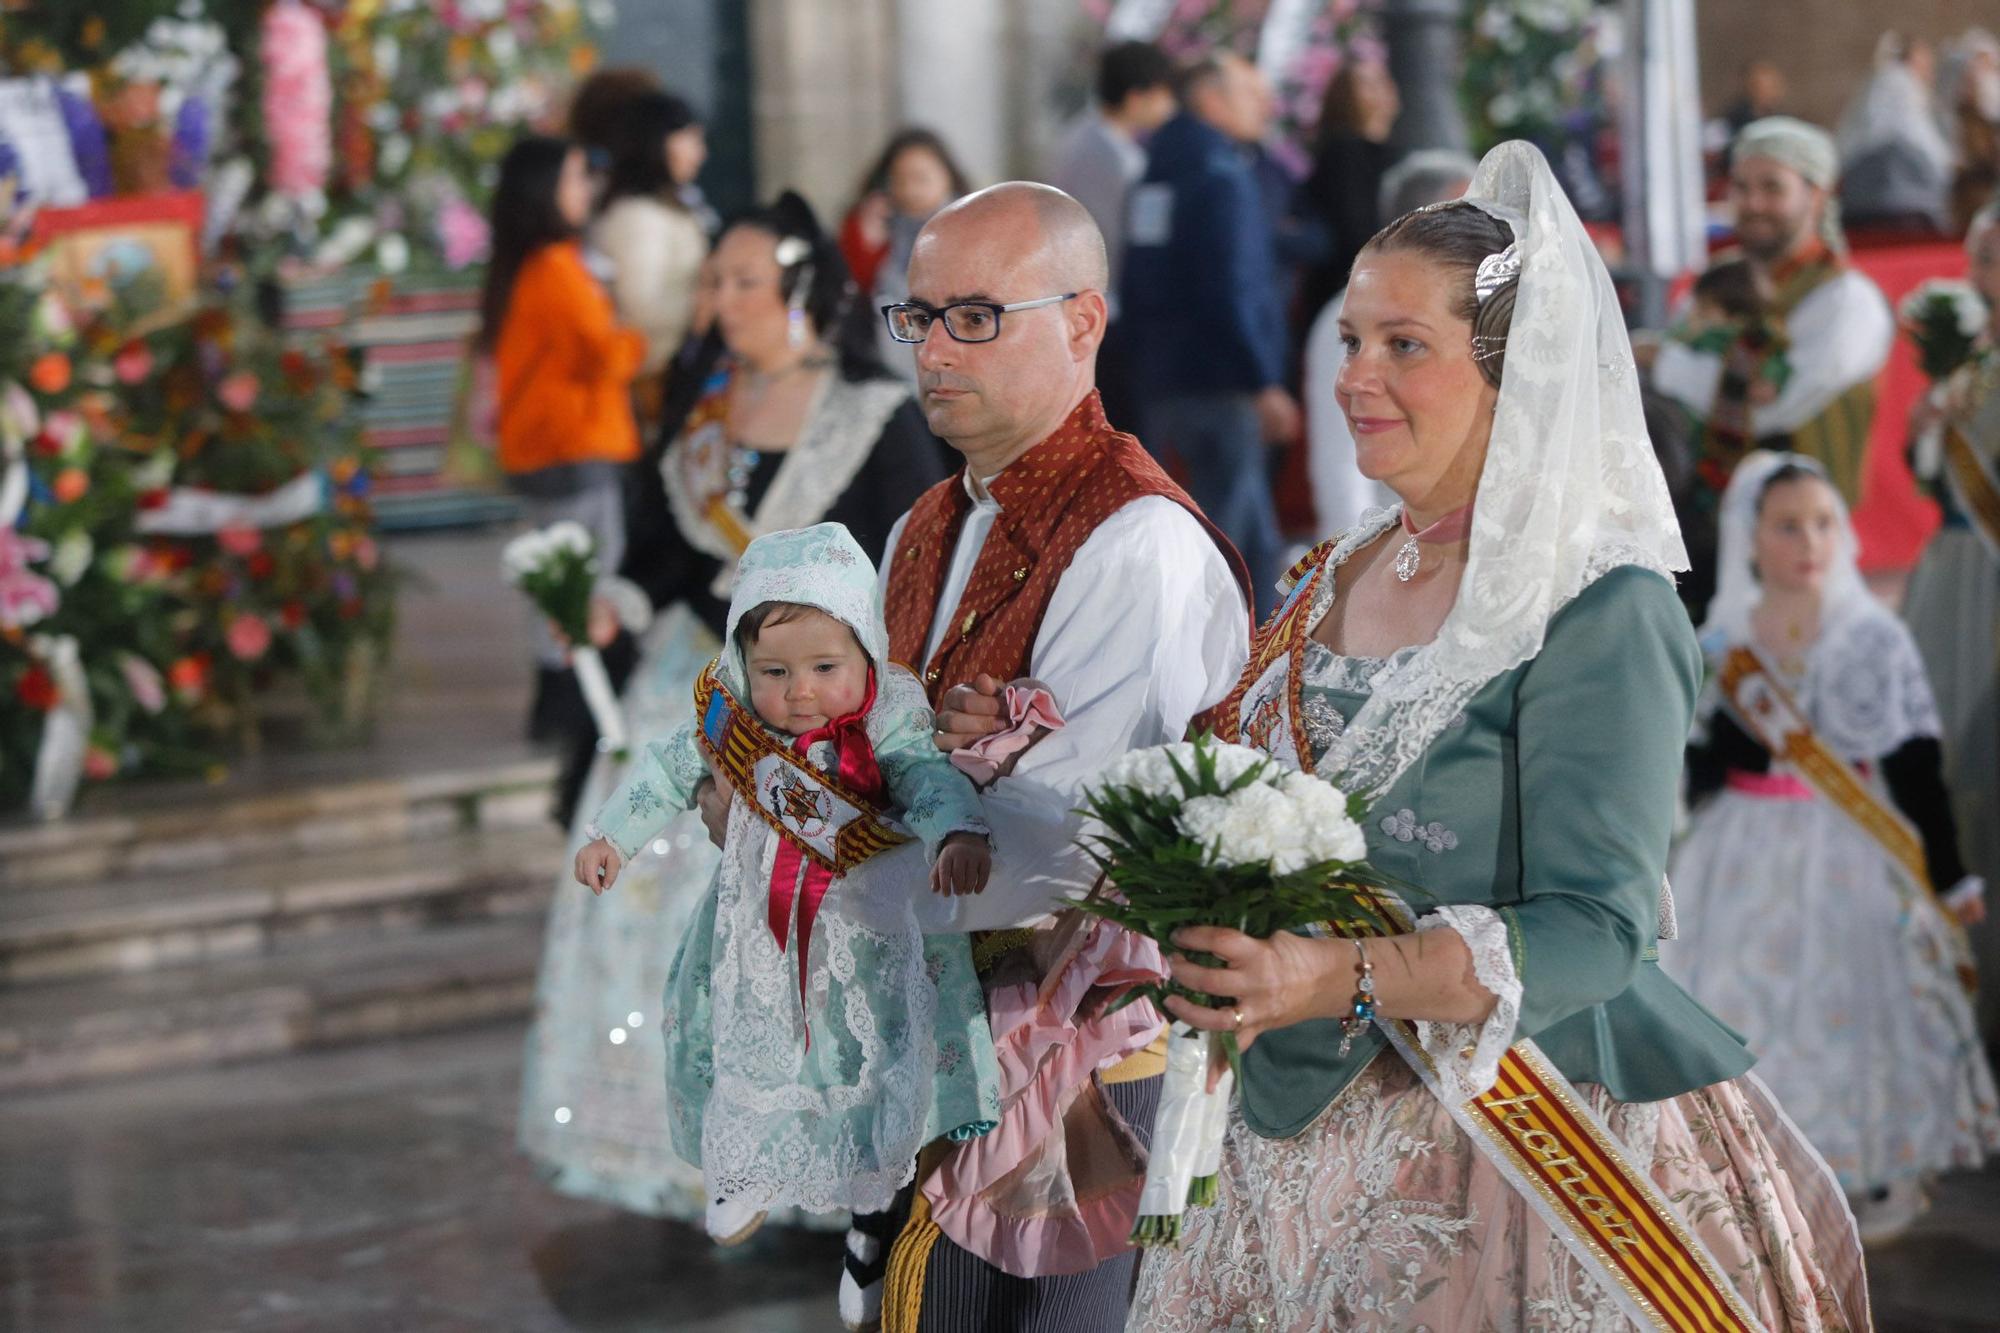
1164,881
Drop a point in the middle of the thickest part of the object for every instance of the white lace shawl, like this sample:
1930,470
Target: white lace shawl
1571,488
842,426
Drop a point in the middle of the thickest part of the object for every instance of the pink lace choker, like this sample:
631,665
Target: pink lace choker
1453,527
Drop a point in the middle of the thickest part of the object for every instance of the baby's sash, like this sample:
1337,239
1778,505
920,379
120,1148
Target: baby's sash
835,827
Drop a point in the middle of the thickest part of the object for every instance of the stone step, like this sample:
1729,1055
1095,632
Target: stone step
69,926
166,830
324,992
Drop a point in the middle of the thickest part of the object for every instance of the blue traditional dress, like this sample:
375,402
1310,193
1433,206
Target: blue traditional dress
812,1051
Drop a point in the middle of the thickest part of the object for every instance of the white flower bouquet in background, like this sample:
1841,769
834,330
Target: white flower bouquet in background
1204,833
556,567
1942,317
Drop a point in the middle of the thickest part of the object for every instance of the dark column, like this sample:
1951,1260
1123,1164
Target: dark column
1424,57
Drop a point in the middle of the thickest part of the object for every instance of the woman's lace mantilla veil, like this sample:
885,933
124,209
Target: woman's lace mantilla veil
1571,487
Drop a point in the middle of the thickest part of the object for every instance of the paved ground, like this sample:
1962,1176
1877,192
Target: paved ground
375,1190
360,1191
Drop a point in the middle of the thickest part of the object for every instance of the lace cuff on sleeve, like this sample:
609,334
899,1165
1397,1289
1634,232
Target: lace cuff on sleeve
1467,1055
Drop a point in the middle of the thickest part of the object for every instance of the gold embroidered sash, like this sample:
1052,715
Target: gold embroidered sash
1537,1130
835,827
1973,487
1769,713
704,469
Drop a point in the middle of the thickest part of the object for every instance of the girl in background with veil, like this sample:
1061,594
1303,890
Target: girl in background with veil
1500,664
1802,928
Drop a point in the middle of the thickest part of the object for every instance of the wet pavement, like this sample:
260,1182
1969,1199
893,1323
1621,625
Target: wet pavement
375,1190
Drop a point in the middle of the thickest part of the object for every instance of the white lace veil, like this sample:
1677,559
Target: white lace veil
1570,490
1737,590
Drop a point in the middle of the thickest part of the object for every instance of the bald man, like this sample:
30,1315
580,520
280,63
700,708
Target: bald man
1062,553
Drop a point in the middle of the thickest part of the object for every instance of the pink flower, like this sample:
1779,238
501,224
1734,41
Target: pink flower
18,413
133,363
463,233
66,429
142,678
238,391
25,596
249,637
298,99
366,554
240,540
99,764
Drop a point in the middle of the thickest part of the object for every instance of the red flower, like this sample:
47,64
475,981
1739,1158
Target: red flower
260,564
46,445
50,373
37,689
189,675
292,614
153,499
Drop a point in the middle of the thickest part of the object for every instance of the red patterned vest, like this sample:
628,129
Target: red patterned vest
1051,499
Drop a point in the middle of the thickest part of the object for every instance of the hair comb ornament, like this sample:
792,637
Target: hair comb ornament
1487,346
1496,271
793,250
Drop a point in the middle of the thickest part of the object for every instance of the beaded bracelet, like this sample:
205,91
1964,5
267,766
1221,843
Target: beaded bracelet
1364,1001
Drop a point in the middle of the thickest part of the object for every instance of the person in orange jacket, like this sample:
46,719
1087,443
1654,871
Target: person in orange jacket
564,367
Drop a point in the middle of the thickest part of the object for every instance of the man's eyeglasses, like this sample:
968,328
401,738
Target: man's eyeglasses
967,321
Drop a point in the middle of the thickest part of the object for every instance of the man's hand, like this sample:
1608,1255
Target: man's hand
970,712
712,796
1645,349
1278,416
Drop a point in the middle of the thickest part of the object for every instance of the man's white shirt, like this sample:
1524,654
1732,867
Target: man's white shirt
1840,335
1145,629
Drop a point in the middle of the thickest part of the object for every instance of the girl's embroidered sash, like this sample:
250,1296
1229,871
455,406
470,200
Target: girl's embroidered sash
1974,488
836,827
1768,713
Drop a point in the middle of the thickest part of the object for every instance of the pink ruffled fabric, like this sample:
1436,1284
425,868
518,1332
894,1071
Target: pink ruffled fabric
1012,1196
1027,709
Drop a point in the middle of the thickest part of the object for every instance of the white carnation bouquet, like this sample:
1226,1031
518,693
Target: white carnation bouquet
1942,318
556,567
1204,833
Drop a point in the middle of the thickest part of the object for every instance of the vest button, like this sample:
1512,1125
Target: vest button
965,626
1021,574
930,677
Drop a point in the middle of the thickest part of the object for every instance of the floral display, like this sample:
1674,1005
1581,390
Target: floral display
1537,70
187,525
1300,46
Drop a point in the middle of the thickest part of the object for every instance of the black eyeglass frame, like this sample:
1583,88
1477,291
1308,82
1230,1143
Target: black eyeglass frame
941,315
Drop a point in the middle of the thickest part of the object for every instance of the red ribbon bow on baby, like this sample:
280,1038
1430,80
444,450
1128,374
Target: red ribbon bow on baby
854,764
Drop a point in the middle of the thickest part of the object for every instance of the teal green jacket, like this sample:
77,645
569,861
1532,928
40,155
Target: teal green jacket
1558,792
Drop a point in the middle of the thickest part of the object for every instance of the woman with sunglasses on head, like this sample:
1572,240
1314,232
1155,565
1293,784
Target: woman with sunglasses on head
797,424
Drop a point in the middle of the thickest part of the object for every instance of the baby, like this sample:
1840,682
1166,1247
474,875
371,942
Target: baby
816,1038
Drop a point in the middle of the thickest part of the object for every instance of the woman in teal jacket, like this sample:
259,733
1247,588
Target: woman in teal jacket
1538,1129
